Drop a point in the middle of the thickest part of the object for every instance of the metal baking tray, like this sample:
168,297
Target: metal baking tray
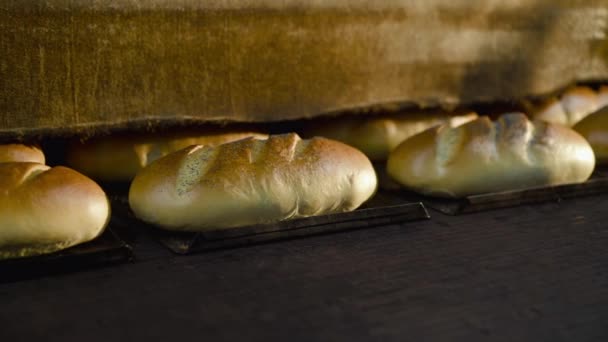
381,210
105,250
186,243
597,184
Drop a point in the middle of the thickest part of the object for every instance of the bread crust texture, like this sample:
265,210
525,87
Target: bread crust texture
251,181
44,209
483,156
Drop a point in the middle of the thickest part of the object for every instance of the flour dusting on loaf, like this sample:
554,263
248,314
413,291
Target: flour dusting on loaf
251,181
482,156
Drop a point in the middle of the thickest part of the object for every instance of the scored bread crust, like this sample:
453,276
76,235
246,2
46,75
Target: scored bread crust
251,181
119,158
21,153
484,156
595,129
377,136
43,209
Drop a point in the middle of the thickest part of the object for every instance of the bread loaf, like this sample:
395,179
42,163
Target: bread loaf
595,129
45,209
570,108
376,136
251,181
21,153
120,157
484,156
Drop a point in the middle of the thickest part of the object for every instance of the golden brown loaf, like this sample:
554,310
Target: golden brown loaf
45,209
119,158
251,181
484,156
376,136
570,108
595,129
21,153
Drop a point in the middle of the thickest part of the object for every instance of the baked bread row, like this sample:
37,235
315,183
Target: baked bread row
250,181
378,135
254,181
119,158
257,181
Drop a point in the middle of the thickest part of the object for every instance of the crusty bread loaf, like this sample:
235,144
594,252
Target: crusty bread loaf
377,135
45,209
251,181
21,153
120,157
595,129
570,108
484,156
